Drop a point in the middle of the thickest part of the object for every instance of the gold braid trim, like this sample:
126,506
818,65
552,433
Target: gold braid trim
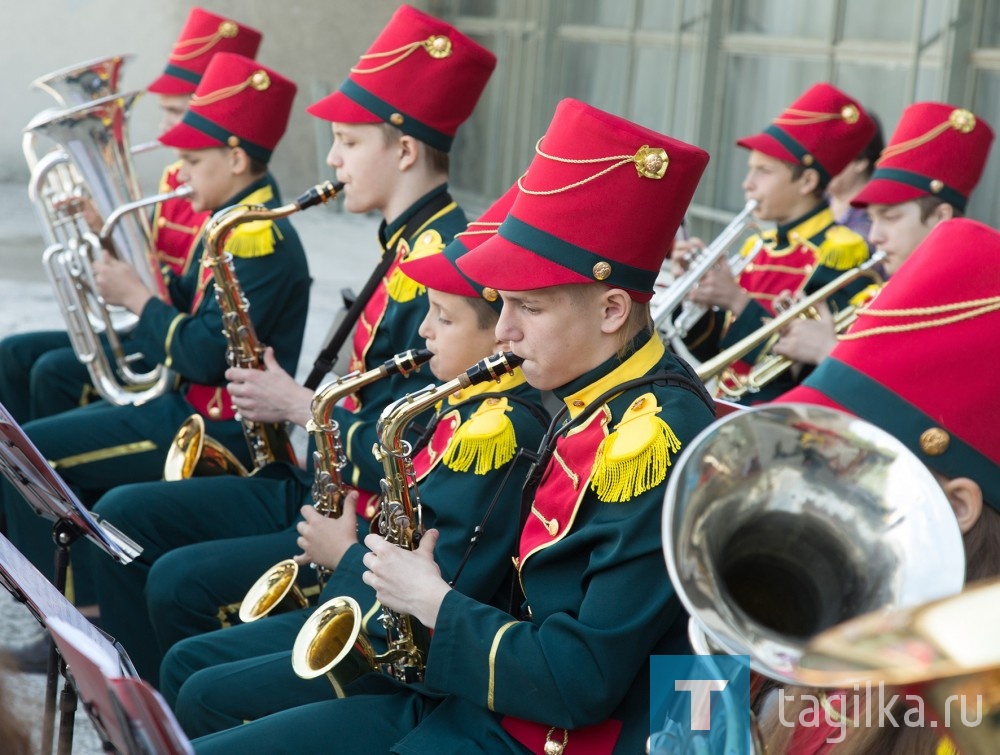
968,310
226,29
437,46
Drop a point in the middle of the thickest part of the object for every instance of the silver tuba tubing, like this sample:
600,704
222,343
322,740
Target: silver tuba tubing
94,161
782,521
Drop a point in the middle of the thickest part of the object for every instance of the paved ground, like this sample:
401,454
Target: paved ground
342,251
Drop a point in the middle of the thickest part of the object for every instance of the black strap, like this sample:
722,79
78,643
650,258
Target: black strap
328,356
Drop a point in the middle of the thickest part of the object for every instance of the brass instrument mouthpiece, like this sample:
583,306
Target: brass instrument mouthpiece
319,194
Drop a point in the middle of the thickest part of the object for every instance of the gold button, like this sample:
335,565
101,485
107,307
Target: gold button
936,186
161,222
233,141
369,511
552,527
638,404
260,80
214,412
934,441
602,270
396,119
578,402
849,113
490,294
808,160
438,46
748,268
228,29
962,120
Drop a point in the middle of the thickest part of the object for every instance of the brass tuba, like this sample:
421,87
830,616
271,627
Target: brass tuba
272,589
944,651
268,442
781,521
332,641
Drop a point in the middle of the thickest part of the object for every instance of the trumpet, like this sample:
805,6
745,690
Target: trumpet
675,295
332,641
271,588
772,366
715,366
782,521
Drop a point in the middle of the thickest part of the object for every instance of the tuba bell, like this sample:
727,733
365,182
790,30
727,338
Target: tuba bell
782,521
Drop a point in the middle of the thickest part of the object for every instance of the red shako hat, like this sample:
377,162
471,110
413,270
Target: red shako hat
823,129
936,150
600,203
204,34
420,74
239,103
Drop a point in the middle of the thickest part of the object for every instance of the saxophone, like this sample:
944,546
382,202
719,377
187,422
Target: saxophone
275,590
268,442
331,642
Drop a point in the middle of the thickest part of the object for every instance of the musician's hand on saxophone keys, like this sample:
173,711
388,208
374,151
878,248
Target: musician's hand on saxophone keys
408,582
269,395
324,540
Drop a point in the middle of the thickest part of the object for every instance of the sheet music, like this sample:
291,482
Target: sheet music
46,603
49,496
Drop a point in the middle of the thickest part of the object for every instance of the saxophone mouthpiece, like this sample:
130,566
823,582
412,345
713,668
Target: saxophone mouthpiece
492,368
407,362
319,194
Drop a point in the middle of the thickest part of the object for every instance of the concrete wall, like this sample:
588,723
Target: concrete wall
312,42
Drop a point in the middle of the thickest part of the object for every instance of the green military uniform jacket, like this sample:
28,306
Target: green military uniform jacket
598,596
388,325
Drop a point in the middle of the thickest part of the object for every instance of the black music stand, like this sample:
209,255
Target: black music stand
131,715
45,492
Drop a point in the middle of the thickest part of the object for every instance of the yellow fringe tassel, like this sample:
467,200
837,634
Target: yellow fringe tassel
635,457
403,288
486,439
842,249
253,239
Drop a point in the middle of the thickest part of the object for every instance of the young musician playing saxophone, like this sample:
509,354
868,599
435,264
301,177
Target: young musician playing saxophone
401,173
225,140
574,263
468,478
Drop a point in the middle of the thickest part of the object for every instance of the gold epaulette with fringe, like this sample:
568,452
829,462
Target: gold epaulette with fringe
635,457
486,439
253,239
401,287
842,249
